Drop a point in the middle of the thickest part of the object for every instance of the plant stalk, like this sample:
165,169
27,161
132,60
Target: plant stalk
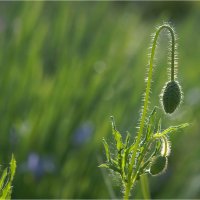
131,175
145,186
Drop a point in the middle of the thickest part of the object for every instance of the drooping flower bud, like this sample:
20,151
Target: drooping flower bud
171,96
158,165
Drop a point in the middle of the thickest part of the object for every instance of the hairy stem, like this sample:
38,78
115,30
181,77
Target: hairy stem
131,175
127,191
145,187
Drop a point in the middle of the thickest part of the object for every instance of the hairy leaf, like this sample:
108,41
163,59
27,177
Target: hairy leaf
151,122
7,190
170,130
117,136
107,151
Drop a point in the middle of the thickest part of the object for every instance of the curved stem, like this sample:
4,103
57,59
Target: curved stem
131,175
173,51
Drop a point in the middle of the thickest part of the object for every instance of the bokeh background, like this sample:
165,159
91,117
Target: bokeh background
65,67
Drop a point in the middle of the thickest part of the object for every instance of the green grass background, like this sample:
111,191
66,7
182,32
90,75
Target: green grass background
65,67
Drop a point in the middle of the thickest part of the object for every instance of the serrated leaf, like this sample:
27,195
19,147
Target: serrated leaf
127,139
123,155
104,165
117,136
3,178
7,190
112,165
151,122
118,140
126,155
170,130
12,167
107,151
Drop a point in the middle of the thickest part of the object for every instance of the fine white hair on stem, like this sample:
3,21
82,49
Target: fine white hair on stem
172,50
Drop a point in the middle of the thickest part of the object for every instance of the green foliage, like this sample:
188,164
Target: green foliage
7,179
169,130
150,150
64,64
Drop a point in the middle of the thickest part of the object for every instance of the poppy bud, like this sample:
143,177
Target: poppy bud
171,96
158,165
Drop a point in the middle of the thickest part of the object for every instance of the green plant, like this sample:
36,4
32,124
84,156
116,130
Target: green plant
6,180
149,151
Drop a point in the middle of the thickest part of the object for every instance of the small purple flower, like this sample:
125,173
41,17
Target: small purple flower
34,164
38,165
83,133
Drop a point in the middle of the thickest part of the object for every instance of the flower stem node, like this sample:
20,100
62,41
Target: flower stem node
171,96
